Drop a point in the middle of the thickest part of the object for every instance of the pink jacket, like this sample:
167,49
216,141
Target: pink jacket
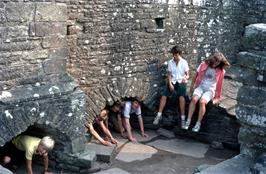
219,79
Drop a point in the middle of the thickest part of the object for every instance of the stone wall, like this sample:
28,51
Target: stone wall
117,51
118,48
35,88
251,97
112,48
254,11
250,109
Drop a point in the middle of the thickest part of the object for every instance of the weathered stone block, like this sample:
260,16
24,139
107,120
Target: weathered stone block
18,46
247,76
87,158
54,66
238,164
103,153
249,60
54,41
252,96
51,12
253,115
71,30
260,165
41,29
58,53
19,11
252,140
255,37
17,31
2,16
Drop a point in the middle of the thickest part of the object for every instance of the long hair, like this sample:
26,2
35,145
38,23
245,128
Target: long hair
218,56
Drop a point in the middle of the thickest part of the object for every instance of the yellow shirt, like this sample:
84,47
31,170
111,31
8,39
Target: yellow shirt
28,144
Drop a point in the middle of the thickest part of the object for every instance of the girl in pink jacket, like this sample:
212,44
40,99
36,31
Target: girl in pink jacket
206,86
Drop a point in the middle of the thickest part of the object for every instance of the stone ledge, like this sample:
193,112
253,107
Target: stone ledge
238,164
37,92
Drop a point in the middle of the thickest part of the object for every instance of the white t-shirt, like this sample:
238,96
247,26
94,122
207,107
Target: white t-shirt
208,82
129,110
177,70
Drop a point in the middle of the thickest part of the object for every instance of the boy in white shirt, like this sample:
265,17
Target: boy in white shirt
131,107
178,74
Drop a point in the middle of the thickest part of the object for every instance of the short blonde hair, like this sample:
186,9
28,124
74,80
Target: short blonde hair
47,142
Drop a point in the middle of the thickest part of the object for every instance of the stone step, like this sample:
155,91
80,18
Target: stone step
106,154
87,158
238,164
103,153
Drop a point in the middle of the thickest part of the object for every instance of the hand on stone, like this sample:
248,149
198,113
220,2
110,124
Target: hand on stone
134,140
216,101
107,143
114,141
144,135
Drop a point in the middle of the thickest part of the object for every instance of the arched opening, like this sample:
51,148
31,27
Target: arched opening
60,158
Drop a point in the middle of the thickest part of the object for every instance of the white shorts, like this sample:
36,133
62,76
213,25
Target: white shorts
206,95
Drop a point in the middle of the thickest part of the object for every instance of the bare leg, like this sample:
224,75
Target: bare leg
161,107
192,106
162,103
182,105
202,109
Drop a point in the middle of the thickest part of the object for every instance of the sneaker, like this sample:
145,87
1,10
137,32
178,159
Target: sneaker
183,121
183,124
196,128
157,119
187,125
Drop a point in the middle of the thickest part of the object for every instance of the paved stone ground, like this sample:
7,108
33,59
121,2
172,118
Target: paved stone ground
160,153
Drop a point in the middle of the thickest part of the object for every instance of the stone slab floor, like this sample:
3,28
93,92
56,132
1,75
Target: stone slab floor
161,153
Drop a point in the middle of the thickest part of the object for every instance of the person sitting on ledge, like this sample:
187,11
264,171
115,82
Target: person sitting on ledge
133,107
207,85
24,145
101,122
177,77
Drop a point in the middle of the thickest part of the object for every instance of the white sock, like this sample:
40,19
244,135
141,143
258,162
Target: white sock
198,123
188,120
183,117
159,114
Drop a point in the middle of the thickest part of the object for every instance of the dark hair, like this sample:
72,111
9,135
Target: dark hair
137,99
176,50
119,104
219,56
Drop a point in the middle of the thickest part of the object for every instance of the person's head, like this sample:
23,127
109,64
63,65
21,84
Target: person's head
176,51
103,115
136,102
46,144
217,60
117,107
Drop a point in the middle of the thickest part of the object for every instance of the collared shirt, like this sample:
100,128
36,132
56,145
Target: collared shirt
177,70
129,110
